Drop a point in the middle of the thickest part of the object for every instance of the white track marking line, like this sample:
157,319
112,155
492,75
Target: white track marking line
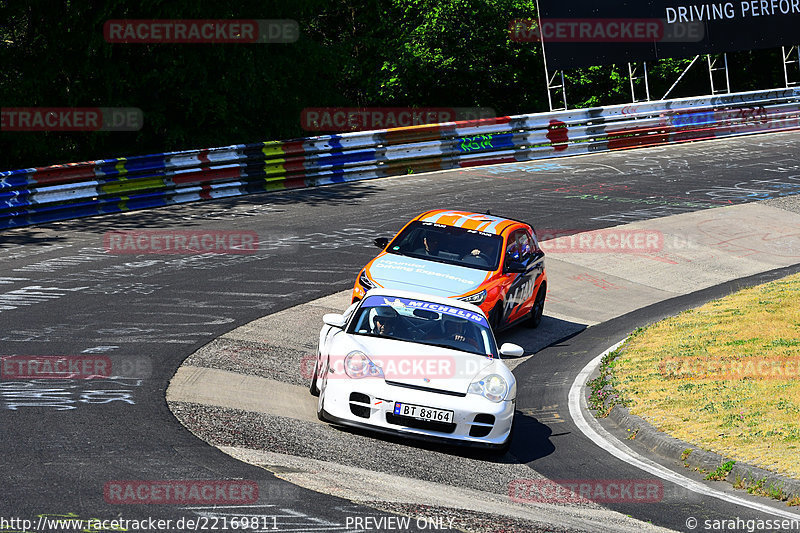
594,431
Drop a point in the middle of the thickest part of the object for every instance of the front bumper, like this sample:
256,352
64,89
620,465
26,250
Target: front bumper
369,403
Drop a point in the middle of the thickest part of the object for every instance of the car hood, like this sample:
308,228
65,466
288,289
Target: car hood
419,275
415,364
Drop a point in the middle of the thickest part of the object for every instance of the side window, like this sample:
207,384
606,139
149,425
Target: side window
525,247
512,248
411,241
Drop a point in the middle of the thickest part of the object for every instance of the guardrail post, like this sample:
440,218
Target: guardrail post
787,60
554,86
632,75
714,66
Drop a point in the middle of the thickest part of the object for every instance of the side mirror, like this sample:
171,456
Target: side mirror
381,242
511,350
334,320
515,267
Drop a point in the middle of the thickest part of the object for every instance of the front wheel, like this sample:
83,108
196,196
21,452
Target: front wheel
313,385
538,308
321,408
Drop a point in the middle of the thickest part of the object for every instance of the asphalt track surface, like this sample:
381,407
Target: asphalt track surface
61,294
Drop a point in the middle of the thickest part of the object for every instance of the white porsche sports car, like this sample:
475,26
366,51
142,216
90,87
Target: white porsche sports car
424,366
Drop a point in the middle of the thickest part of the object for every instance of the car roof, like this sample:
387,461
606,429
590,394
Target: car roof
451,302
468,220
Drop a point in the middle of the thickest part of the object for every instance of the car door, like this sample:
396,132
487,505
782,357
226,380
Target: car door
535,268
522,248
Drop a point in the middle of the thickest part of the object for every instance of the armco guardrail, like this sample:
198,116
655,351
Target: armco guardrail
59,192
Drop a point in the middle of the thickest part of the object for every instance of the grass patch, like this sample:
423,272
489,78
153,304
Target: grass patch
722,471
724,376
760,488
604,395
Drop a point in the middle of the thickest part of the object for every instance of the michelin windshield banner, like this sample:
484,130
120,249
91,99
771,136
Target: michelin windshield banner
409,305
581,33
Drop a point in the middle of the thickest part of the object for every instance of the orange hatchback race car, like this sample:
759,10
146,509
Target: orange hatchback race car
492,262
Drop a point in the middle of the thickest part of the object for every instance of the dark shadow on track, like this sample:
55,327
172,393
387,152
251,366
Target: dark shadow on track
550,332
29,236
531,439
196,214
467,452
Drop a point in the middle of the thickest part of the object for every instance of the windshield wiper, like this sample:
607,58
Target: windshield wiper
430,258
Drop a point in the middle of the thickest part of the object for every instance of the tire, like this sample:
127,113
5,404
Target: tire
321,404
321,408
312,387
538,308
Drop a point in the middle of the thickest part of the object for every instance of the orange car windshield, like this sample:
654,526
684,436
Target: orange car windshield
449,244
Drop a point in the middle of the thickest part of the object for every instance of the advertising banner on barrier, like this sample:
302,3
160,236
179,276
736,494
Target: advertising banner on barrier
59,192
583,33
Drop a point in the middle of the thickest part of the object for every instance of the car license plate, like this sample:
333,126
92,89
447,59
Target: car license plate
423,413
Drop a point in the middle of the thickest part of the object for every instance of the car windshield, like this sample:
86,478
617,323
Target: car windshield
448,244
424,322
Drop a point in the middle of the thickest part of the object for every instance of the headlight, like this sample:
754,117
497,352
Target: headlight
365,281
358,365
491,387
476,299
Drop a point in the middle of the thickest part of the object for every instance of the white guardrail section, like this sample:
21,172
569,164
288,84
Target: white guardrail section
58,192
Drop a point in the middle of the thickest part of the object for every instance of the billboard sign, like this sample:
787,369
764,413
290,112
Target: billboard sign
581,33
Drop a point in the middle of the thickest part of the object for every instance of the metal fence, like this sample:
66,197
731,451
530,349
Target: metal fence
59,192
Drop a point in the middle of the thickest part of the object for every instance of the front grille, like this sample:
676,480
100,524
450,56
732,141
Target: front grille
361,411
479,431
484,419
426,389
482,431
441,427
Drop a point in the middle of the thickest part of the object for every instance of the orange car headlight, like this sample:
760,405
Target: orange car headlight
365,282
475,299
